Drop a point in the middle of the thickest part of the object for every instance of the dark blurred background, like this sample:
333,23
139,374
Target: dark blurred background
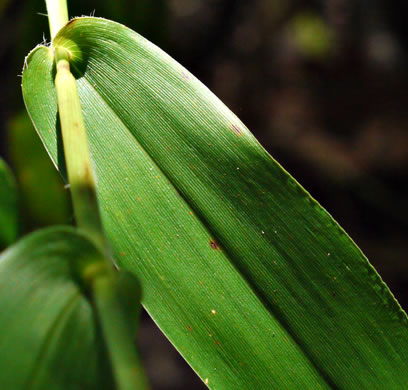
322,84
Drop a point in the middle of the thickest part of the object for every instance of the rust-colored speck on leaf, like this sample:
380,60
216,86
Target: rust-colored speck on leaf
185,76
70,22
189,328
213,244
236,129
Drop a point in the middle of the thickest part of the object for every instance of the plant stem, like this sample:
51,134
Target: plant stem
57,15
77,155
75,140
118,335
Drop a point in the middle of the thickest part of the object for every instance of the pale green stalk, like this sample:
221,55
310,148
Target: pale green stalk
118,335
75,141
77,155
57,15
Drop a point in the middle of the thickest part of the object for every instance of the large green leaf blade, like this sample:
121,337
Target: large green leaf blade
49,336
8,206
247,275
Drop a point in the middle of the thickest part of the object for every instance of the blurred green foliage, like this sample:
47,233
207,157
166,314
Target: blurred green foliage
8,207
44,201
312,35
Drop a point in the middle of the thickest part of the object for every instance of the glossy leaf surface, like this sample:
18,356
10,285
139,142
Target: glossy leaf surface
8,206
254,283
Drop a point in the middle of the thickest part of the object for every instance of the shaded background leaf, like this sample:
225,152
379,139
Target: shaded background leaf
190,199
8,206
50,337
53,334
43,199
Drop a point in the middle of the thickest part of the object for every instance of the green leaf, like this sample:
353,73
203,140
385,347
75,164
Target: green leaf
51,336
47,324
254,283
8,206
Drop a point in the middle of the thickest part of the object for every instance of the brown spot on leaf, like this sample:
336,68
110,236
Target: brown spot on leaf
71,21
213,245
122,254
189,328
185,76
236,129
